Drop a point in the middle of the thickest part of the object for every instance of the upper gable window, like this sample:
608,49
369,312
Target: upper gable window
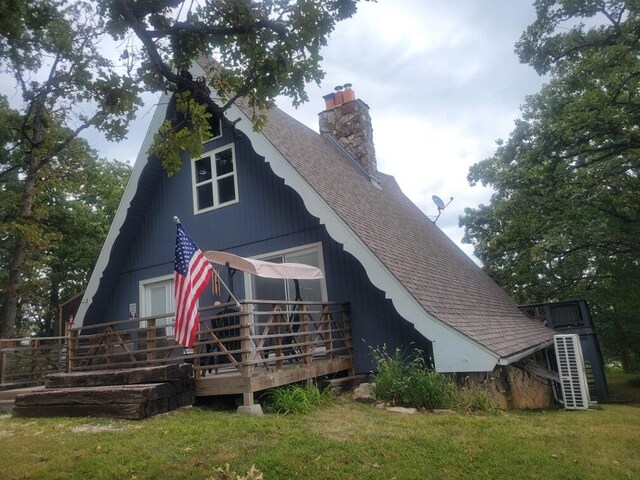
216,129
214,180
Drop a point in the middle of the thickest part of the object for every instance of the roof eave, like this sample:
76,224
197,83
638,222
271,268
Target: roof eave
517,356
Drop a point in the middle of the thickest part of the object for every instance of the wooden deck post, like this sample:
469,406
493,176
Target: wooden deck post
245,342
151,339
34,344
248,407
304,328
2,360
346,325
71,349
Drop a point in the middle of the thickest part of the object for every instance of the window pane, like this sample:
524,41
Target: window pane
226,190
224,162
157,299
205,196
203,169
215,127
310,290
308,257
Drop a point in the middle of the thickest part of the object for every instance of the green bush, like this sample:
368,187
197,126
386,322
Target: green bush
408,382
294,399
634,381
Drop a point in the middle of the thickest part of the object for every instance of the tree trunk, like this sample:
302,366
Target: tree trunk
9,309
49,324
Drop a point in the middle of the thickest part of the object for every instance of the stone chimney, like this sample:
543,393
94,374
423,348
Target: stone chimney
347,120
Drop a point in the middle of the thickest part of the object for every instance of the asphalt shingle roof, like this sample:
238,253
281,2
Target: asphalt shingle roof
435,271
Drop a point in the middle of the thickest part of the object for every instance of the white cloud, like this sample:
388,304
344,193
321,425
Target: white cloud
442,82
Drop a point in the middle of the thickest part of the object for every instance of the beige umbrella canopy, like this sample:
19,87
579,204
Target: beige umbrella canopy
264,269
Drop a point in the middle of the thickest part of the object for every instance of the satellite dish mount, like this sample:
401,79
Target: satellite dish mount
441,205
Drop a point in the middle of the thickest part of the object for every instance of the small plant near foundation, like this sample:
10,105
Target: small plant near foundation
478,400
406,380
294,399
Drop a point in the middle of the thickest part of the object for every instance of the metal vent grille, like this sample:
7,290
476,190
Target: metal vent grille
573,379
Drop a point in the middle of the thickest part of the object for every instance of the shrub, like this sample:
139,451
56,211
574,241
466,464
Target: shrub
408,381
634,381
294,399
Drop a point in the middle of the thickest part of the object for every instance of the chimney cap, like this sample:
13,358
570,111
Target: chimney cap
347,86
338,88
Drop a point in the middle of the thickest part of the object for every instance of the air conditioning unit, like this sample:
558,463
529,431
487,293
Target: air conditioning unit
573,378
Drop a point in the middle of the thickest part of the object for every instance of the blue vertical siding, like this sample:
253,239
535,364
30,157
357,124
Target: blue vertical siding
269,216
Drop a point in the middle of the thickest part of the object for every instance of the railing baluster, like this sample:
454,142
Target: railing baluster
151,339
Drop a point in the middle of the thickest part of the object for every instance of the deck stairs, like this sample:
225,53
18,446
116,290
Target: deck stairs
133,393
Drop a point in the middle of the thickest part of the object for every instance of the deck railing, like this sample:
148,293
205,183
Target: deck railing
26,361
255,335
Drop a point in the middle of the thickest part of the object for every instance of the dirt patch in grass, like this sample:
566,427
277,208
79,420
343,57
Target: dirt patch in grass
97,428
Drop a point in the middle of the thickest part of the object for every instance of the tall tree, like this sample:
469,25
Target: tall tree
75,208
565,217
262,49
50,48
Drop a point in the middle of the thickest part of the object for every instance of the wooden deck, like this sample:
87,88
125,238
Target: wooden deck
241,349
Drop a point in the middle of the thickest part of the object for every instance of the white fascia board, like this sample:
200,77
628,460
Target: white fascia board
121,214
516,357
452,351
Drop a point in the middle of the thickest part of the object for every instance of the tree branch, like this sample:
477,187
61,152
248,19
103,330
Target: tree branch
209,30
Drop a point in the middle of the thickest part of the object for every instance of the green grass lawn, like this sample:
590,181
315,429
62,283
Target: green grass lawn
341,440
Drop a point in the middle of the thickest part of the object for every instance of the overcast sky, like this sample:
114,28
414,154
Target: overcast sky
442,83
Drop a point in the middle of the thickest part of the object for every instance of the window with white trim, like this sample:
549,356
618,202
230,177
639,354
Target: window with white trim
279,289
215,183
216,129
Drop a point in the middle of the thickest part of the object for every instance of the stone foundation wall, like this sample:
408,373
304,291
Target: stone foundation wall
511,387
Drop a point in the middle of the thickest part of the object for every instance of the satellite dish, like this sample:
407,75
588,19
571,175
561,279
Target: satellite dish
440,204
438,201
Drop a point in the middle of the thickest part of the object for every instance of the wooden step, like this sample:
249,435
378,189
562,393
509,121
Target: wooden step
127,376
127,393
116,401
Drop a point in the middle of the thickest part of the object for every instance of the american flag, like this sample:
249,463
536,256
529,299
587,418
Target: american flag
192,274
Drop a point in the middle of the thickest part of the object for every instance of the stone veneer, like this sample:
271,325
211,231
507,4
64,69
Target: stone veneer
350,125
